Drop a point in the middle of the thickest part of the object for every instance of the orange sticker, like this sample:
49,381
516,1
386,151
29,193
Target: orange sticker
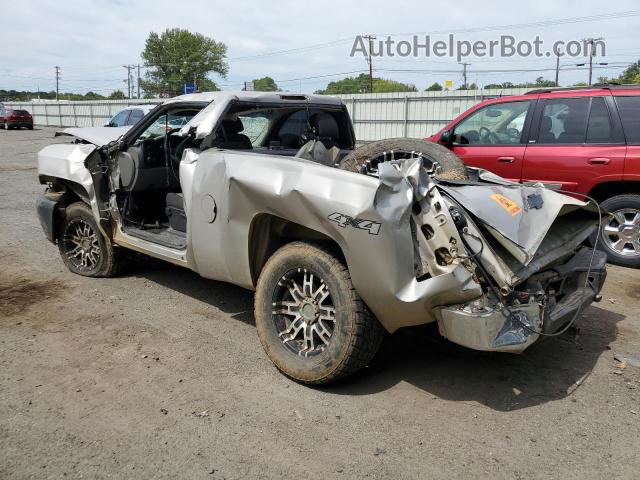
509,205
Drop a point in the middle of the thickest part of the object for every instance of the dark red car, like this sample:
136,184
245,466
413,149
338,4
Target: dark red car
15,119
582,140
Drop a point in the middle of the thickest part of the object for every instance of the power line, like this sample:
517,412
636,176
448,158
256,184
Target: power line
546,23
514,70
516,26
295,50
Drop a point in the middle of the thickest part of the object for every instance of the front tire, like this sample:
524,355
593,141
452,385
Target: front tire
312,323
620,236
83,248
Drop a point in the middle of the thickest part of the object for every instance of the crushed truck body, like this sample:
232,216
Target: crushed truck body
268,192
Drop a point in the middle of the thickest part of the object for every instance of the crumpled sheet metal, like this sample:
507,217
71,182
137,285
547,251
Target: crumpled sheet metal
247,186
489,329
508,211
67,161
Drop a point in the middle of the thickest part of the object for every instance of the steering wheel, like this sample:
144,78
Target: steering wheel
487,134
175,156
513,133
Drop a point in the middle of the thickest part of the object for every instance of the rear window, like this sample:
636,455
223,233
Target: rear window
599,128
564,120
629,108
21,112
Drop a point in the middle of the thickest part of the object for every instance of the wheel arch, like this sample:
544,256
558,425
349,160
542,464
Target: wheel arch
605,190
268,233
52,207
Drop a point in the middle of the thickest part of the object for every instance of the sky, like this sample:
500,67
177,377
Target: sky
302,45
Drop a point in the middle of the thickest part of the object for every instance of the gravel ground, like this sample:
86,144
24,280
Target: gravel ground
160,374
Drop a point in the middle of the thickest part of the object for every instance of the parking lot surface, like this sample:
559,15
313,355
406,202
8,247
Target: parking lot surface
159,374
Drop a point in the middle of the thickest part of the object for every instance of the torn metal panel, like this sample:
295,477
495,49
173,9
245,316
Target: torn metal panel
482,327
507,213
98,136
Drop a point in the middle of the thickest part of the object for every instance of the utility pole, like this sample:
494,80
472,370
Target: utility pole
138,81
129,68
557,67
590,42
370,38
464,73
57,82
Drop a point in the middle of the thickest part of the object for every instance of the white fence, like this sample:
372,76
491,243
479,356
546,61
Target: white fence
375,116
75,114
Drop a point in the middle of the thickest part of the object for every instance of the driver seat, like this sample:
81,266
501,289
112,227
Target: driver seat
234,140
323,146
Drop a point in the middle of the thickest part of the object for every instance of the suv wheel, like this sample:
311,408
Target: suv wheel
620,236
312,323
84,250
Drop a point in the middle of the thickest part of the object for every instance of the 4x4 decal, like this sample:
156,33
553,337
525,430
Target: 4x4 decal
343,220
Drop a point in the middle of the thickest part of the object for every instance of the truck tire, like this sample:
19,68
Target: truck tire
312,323
449,166
84,250
620,236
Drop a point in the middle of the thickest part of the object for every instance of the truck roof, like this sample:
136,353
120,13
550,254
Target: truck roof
259,97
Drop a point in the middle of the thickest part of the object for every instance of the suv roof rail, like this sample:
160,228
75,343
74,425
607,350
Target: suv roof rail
595,86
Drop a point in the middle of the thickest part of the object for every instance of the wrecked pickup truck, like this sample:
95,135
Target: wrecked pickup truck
267,191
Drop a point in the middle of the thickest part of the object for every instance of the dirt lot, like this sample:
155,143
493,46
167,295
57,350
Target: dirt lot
160,374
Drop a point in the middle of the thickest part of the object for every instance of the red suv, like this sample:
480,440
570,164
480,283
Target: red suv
583,140
15,119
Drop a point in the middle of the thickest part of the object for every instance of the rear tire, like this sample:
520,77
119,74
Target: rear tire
620,236
83,248
449,165
312,323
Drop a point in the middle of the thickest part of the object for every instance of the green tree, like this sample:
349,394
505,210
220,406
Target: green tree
93,96
117,95
471,86
631,74
265,84
360,84
539,83
434,87
176,56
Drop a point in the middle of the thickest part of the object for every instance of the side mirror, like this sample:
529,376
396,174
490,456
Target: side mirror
446,138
